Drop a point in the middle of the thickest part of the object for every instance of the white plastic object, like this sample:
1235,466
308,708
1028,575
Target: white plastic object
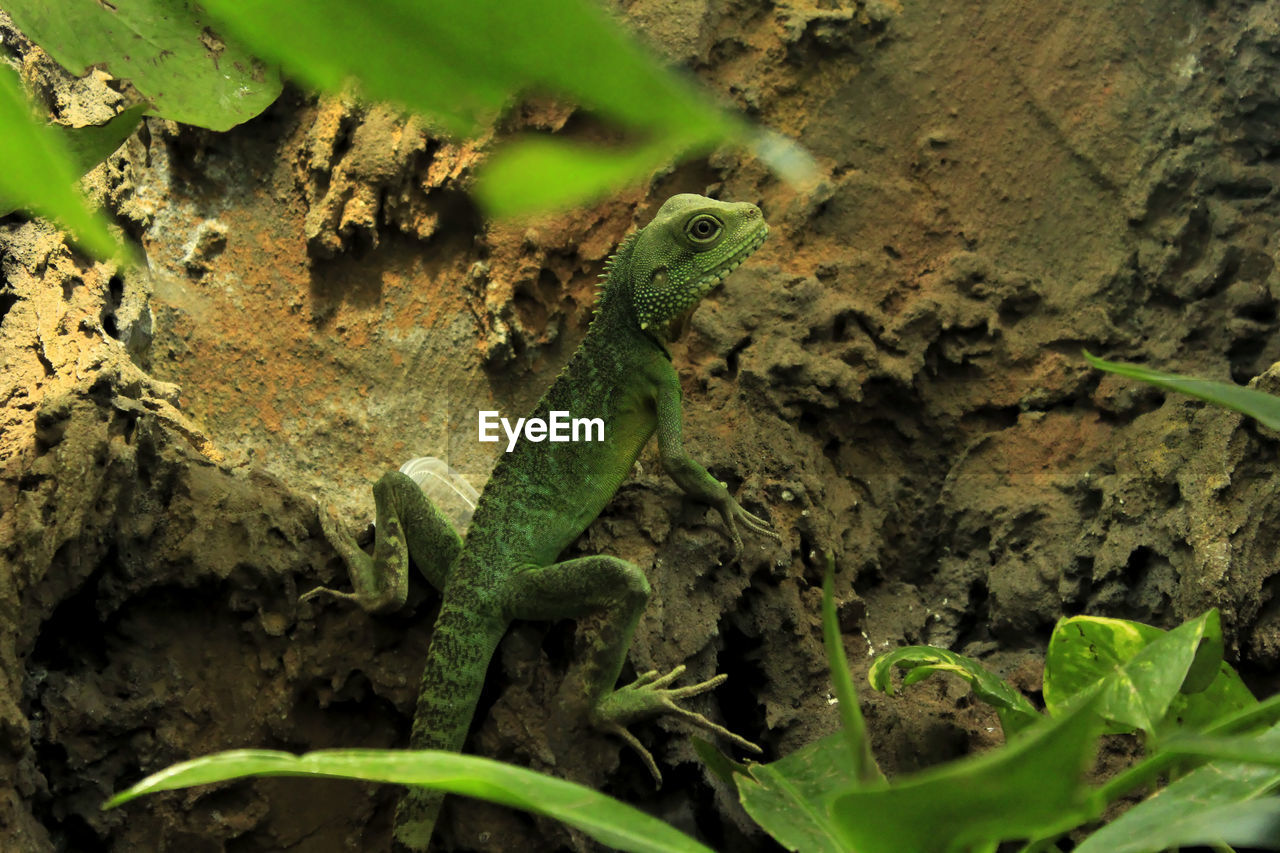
444,487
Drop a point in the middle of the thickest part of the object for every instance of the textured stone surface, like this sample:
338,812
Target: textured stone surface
895,377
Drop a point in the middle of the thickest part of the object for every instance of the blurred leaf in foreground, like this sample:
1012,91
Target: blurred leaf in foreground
165,48
89,146
1032,787
459,63
1222,803
603,818
39,171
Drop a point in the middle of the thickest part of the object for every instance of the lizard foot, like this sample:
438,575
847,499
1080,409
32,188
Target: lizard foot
733,514
649,695
375,590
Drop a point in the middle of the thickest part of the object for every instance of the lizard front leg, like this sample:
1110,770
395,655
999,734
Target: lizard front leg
408,524
695,480
577,587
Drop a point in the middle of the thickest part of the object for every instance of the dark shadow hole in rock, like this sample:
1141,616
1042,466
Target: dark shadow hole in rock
1263,312
689,805
972,626
115,292
1090,502
7,301
809,557
840,327
731,357
72,635
738,697
109,323
1245,359
1137,566
71,831
1076,594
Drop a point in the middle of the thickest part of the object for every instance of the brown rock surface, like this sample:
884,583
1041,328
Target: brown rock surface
895,377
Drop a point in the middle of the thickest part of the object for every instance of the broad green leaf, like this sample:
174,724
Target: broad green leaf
790,797
460,63
1256,404
165,48
1250,717
95,143
89,146
1015,711
1030,788
1252,823
1145,669
1245,749
1224,802
1225,695
603,818
39,173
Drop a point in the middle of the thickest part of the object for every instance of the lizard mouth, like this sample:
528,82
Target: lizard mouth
679,324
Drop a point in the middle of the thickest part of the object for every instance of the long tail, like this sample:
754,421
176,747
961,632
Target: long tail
461,646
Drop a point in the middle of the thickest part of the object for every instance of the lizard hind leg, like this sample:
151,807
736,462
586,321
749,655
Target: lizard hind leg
619,590
408,525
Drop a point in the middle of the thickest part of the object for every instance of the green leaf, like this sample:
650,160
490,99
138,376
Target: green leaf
1145,668
463,61
861,760
93,144
790,797
1256,404
536,174
165,48
1244,749
1030,788
1224,696
460,63
603,818
1251,823
1015,711
39,172
716,761
1219,803
89,146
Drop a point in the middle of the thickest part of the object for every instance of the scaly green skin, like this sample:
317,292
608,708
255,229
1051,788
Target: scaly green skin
542,496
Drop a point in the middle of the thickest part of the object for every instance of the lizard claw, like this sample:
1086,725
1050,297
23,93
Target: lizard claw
733,514
324,590
649,695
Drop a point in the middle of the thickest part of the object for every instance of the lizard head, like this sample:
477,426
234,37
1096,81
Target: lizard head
690,246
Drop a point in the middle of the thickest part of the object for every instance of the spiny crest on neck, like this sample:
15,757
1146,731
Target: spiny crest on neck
617,262
609,284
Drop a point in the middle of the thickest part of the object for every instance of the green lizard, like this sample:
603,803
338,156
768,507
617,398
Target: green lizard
541,497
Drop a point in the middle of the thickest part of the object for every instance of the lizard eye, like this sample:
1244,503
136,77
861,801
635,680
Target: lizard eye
703,228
